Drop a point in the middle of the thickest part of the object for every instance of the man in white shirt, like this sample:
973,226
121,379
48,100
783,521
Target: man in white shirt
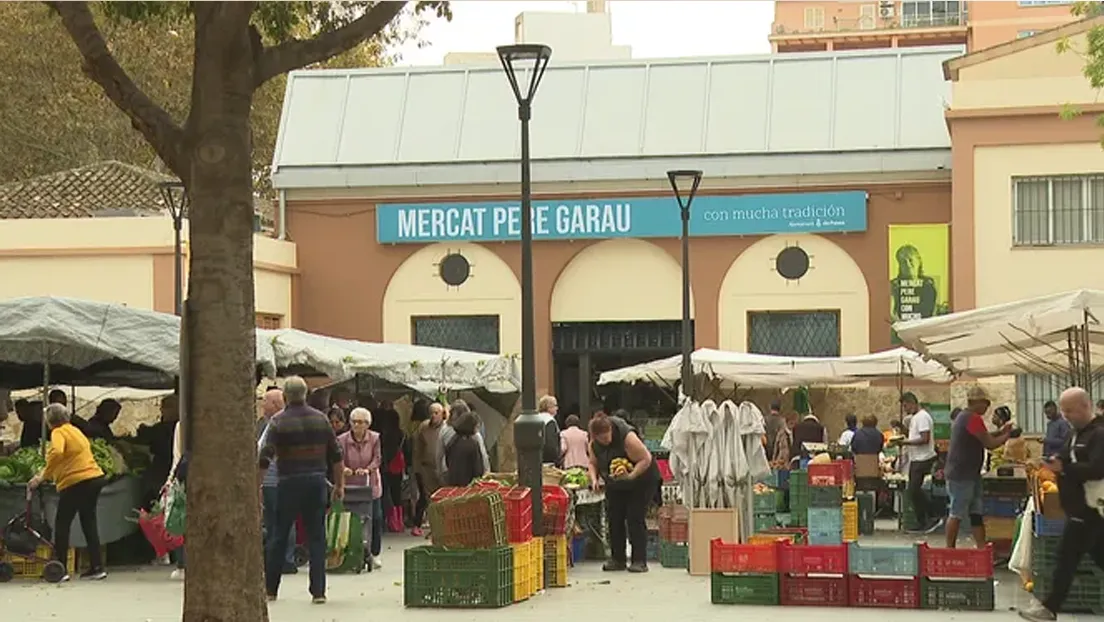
920,447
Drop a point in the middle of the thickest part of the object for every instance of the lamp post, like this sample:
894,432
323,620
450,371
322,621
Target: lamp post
175,198
524,65
685,185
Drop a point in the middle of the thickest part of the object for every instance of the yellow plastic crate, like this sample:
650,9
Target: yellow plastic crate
997,528
523,570
555,561
27,568
536,566
850,521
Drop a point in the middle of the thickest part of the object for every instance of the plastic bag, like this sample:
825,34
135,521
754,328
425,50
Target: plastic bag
153,527
176,507
344,547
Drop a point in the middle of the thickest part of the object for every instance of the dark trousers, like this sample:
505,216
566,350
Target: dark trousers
626,510
917,472
1080,536
373,541
177,557
392,490
271,504
422,503
304,496
80,499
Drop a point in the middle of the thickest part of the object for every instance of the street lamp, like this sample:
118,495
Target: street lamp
685,184
524,65
175,198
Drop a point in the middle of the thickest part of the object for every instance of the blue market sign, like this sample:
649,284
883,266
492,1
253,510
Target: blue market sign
650,217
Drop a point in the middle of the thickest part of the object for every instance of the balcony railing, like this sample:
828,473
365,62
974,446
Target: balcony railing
868,24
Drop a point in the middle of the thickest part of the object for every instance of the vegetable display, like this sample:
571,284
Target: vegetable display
576,477
22,465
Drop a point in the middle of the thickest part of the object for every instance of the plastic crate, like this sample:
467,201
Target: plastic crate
799,479
883,561
1005,487
764,502
578,548
957,595
1001,507
1044,558
999,528
556,503
747,589
653,546
834,473
825,538
1048,526
763,522
812,591
825,496
555,561
748,558
436,577
674,523
27,568
941,431
475,519
942,563
850,521
1086,593
674,555
825,520
518,502
524,583
811,559
889,593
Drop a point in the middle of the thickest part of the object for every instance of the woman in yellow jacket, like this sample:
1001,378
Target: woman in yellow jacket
70,465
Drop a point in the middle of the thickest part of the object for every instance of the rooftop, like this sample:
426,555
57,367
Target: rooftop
339,125
84,192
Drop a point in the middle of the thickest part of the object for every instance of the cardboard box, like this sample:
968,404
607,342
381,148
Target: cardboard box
1046,504
706,524
867,466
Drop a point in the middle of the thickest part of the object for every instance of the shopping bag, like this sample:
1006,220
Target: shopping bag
344,546
176,507
152,525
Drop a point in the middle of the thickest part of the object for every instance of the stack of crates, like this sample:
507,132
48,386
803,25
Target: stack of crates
867,502
799,498
883,576
850,511
674,536
813,576
825,498
743,574
1002,499
764,509
1087,593
956,579
556,506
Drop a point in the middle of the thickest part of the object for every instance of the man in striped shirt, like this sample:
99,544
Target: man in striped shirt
303,443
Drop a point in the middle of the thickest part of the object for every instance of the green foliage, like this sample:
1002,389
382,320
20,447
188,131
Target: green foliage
1092,54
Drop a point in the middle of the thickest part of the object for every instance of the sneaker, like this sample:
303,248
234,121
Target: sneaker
417,532
290,569
96,574
935,526
1037,613
376,563
64,579
271,597
613,566
177,575
638,567
318,600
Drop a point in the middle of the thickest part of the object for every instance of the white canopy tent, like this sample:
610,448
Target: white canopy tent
764,371
1059,334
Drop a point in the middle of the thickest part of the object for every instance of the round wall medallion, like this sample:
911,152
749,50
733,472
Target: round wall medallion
792,263
454,269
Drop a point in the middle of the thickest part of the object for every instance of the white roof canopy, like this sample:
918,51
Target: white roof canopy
1028,336
763,371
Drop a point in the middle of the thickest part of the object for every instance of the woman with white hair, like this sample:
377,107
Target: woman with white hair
73,469
363,486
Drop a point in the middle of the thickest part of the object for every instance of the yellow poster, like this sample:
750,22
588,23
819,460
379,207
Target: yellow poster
919,271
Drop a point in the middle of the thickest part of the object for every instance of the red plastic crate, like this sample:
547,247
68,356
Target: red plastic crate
448,492
802,533
890,593
674,523
753,558
812,559
813,591
519,513
555,502
834,473
665,472
941,563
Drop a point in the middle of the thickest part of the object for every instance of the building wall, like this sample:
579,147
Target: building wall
123,260
354,287
1035,76
993,23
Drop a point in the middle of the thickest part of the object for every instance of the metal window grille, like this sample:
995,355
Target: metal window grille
473,333
269,320
1033,390
1062,211
794,333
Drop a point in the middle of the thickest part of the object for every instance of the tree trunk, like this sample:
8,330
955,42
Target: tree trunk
224,537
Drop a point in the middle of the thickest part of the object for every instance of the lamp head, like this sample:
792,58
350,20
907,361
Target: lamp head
174,196
521,60
685,184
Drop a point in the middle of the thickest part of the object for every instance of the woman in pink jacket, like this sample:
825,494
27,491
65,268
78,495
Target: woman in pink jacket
361,449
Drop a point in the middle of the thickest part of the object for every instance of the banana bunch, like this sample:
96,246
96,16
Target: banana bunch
619,467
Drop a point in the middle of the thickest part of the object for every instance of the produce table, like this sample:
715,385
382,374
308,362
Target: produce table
114,514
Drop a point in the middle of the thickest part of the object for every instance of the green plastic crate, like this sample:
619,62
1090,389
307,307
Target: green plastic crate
1086,594
1044,558
458,578
957,595
780,504
745,589
825,497
674,555
941,431
762,522
764,502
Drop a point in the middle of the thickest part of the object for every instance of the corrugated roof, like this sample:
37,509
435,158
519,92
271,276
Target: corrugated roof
868,100
82,192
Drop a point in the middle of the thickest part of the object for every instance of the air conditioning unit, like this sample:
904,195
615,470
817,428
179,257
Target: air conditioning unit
885,11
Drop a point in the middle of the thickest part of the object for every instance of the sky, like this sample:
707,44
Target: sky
654,29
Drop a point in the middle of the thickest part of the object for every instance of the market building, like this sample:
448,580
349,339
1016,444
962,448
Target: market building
823,210
1028,214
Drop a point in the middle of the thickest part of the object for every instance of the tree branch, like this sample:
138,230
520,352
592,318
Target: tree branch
158,128
299,53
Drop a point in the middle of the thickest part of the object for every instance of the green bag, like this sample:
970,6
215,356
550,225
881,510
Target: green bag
344,543
176,508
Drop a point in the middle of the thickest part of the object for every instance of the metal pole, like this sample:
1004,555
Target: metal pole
687,334
178,268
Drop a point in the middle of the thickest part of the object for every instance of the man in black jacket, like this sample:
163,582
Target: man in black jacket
1081,460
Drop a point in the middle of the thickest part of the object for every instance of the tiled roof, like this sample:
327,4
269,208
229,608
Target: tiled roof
83,192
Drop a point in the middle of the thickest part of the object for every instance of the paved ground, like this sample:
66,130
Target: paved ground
148,595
